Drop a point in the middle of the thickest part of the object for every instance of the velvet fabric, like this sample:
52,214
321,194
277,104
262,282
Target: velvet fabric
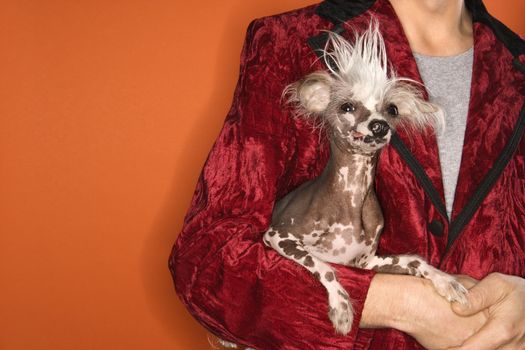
245,292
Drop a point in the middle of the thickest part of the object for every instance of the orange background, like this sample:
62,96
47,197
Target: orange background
108,109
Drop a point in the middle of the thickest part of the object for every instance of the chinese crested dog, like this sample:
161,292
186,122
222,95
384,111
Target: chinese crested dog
336,218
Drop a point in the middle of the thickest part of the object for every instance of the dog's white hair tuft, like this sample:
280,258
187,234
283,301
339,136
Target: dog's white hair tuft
363,65
363,62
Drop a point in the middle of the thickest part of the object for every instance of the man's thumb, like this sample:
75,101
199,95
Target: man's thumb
484,294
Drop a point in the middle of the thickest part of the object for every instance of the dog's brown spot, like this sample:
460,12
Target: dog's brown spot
413,268
395,260
329,276
414,264
328,240
425,273
344,306
348,238
395,269
345,296
283,234
331,312
308,261
290,248
272,233
317,276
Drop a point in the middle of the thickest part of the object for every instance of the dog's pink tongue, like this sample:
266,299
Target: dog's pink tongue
357,134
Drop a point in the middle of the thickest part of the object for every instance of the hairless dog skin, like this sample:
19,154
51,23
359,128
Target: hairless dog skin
336,218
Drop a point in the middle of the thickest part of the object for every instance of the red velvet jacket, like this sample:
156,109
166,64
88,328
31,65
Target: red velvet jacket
247,293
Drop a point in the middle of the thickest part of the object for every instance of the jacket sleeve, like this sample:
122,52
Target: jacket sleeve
230,282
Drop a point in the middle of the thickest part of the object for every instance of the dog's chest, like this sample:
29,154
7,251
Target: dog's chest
337,243
326,216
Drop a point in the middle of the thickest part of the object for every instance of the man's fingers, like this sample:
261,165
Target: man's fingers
489,337
467,281
487,292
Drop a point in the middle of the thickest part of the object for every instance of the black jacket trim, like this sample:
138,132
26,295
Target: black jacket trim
339,11
317,43
518,65
420,174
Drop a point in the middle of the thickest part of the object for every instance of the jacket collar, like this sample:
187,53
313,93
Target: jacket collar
342,10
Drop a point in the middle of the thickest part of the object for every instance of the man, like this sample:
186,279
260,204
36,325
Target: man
248,294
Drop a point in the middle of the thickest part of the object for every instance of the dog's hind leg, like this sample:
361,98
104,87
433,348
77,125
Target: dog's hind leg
445,284
340,308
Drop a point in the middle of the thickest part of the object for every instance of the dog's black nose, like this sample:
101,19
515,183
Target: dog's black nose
379,128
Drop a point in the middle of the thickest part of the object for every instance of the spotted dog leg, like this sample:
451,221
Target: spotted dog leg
340,308
445,284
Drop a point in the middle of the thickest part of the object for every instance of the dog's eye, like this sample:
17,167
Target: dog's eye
347,107
392,110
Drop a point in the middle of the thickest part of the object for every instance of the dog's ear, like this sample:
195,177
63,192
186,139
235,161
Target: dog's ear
427,114
310,95
414,111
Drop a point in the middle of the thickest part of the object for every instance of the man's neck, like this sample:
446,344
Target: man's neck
435,27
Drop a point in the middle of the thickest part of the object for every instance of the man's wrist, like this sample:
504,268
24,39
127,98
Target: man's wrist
388,303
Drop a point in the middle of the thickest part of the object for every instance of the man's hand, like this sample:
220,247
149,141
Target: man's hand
433,323
410,304
502,297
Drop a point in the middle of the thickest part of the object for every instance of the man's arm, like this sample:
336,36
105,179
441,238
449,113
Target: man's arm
236,287
410,304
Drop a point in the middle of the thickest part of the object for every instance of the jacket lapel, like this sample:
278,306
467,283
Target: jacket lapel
492,113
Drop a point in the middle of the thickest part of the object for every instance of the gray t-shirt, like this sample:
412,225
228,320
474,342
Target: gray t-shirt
447,80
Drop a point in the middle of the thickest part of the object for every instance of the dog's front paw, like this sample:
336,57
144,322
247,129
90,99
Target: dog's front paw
341,313
448,287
